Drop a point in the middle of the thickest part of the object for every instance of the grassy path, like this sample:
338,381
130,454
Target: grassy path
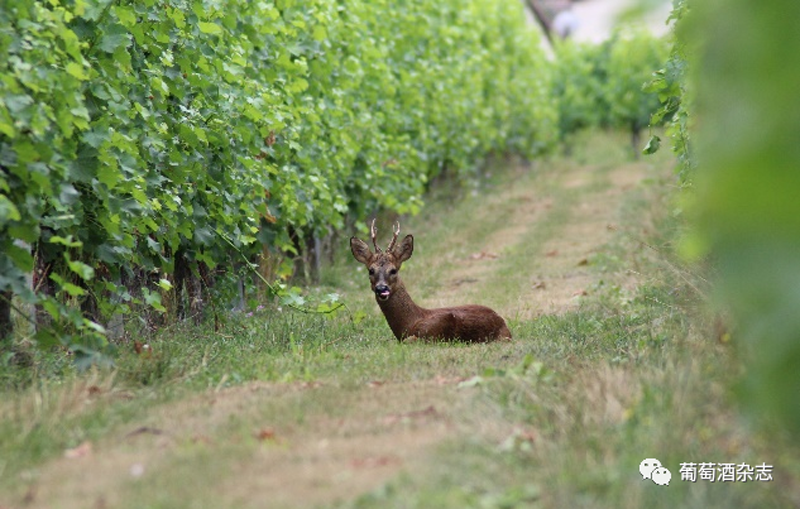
611,363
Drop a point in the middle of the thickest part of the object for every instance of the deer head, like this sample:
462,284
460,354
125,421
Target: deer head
383,266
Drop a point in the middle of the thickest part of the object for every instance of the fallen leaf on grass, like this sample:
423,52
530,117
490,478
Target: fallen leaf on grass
448,380
552,253
125,396
145,430
519,440
266,435
201,439
373,462
81,451
310,385
721,330
375,383
583,261
539,285
29,498
471,382
580,293
137,470
484,255
142,348
410,416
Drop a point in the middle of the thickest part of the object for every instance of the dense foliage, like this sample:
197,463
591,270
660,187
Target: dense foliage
144,141
672,86
746,210
729,97
602,84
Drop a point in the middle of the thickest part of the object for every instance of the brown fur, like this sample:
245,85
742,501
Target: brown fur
409,321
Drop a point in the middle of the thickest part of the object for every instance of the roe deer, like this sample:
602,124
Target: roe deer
407,320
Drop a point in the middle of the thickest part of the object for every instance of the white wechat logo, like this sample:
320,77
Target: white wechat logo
661,476
647,466
651,468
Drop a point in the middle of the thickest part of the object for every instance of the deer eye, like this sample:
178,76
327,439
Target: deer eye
393,272
371,272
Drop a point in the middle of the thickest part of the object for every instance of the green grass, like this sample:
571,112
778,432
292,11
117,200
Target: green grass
560,417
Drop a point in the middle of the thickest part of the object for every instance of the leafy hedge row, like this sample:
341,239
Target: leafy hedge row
737,70
602,84
744,180
671,83
137,134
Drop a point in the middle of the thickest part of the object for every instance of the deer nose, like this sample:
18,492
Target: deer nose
382,291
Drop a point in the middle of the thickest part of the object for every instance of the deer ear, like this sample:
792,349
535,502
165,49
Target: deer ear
360,250
403,251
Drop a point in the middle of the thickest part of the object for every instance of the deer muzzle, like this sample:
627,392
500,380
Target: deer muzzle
382,292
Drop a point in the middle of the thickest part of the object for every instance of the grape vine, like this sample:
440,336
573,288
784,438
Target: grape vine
133,133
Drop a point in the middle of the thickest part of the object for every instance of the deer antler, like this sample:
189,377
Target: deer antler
373,233
394,239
